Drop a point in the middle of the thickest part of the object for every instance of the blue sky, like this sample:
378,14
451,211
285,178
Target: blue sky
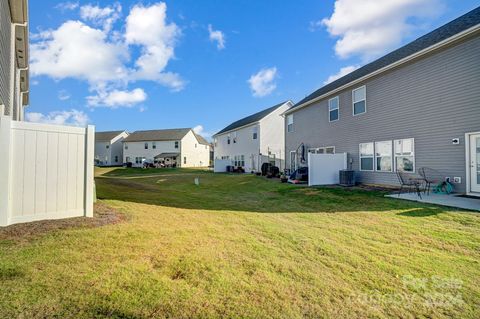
206,63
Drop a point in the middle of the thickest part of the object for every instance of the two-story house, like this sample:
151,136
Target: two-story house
109,148
169,148
254,140
418,106
14,75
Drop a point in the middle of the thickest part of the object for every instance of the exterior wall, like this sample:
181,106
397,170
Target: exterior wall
116,149
137,149
196,154
5,57
272,135
432,100
245,145
102,153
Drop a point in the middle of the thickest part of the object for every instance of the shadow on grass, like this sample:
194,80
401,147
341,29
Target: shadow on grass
247,193
423,212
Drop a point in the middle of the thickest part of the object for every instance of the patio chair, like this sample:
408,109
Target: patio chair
430,176
409,183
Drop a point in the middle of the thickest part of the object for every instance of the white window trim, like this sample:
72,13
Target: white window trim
353,101
360,157
316,149
296,164
290,116
338,108
395,155
392,155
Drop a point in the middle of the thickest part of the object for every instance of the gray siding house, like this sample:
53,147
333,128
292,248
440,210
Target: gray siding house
418,106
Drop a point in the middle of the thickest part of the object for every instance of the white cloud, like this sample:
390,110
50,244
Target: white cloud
65,6
200,130
63,95
117,98
72,117
369,28
263,82
104,17
75,50
148,28
217,36
102,57
343,71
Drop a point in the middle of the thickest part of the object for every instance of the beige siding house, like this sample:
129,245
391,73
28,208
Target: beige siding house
14,58
169,148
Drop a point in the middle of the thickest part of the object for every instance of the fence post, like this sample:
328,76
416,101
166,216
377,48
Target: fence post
89,150
5,169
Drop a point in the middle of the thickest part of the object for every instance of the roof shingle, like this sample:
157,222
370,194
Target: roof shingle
158,135
106,136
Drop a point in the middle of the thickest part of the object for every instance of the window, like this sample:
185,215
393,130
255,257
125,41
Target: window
176,144
322,150
255,132
225,157
290,123
215,142
195,145
234,137
139,160
154,145
405,155
184,160
228,139
359,100
330,150
126,146
107,146
366,157
239,160
127,159
146,146
333,105
116,158
383,156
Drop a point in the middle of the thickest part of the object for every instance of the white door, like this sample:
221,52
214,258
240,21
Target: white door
293,161
475,163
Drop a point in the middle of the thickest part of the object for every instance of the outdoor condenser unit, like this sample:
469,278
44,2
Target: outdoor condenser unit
347,177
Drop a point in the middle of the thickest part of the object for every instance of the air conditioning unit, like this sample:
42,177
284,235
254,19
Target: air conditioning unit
347,177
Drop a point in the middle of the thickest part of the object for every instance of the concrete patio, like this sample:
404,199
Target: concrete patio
452,200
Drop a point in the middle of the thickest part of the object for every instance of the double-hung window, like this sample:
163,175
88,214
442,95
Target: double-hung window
383,156
290,123
405,155
359,98
126,146
146,145
255,132
333,109
228,139
154,145
234,137
176,144
366,157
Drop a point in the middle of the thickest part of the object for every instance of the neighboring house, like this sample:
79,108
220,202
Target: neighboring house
254,140
418,106
109,148
14,74
170,147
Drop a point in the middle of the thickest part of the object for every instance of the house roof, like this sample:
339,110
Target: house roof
444,32
251,118
175,134
201,139
106,136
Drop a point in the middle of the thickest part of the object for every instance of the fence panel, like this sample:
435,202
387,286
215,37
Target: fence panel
50,171
323,169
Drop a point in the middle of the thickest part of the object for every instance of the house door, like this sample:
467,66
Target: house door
475,163
293,161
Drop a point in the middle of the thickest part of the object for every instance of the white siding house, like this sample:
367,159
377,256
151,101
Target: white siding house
109,148
13,58
170,148
254,140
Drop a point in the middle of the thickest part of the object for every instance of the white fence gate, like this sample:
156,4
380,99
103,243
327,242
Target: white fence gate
324,169
46,171
220,165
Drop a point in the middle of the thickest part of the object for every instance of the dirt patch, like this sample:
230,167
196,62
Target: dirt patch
103,215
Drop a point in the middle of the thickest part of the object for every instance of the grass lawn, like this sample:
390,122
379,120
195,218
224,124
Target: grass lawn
244,246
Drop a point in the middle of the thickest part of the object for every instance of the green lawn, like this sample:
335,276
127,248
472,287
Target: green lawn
243,246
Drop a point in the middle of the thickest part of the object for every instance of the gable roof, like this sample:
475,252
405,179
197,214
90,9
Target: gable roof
201,139
106,136
175,134
463,23
251,118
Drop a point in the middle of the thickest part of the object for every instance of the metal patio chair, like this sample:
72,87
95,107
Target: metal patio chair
410,183
430,177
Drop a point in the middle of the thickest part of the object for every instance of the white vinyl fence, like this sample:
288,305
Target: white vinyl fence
220,165
324,169
46,171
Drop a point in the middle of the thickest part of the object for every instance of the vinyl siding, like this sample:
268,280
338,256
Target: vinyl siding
5,55
432,100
